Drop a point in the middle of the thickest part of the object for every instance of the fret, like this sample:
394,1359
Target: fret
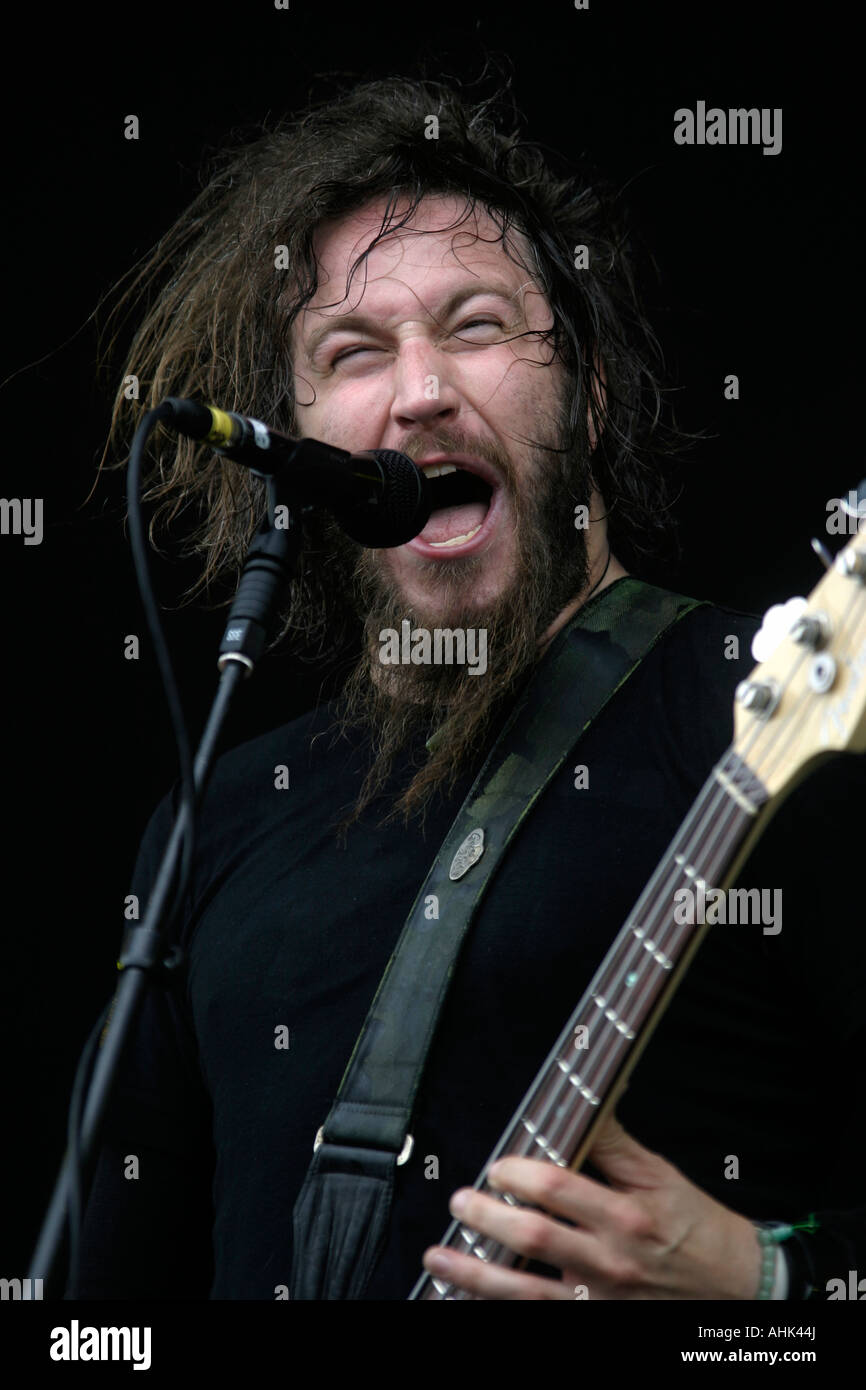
728,785
613,1017
546,1147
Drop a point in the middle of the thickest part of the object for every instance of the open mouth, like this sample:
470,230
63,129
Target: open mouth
462,501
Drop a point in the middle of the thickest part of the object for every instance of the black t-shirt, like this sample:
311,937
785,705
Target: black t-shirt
288,930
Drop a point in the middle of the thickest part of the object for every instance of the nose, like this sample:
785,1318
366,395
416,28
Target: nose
424,392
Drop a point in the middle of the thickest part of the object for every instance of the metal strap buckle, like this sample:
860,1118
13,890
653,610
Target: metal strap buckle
403,1156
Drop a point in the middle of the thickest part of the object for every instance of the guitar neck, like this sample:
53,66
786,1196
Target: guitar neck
592,1059
805,700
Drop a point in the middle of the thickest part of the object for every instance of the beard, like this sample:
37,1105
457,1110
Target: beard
391,705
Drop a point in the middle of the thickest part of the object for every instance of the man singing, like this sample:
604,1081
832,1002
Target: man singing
395,271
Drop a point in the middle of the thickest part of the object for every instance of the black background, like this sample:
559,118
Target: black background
757,258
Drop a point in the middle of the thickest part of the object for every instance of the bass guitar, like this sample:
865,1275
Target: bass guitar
803,702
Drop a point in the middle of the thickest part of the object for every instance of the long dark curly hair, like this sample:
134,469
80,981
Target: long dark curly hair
218,315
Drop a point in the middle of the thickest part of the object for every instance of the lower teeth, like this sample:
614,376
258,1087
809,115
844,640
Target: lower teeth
456,540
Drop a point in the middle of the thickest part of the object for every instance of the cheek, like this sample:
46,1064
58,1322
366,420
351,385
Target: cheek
493,385
305,399
343,415
521,374
314,413
520,392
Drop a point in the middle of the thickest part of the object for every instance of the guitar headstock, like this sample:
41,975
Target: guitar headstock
807,696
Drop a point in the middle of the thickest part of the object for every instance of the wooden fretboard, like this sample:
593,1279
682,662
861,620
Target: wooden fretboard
596,1051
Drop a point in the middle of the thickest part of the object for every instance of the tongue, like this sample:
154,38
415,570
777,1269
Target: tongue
444,525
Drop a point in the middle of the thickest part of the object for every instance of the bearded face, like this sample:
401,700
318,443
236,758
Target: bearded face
441,354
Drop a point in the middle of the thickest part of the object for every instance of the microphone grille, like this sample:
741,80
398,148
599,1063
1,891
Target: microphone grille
405,507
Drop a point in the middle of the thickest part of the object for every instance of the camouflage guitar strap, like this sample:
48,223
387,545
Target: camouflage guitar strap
341,1215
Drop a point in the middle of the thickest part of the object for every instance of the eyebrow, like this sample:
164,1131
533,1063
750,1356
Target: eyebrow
347,322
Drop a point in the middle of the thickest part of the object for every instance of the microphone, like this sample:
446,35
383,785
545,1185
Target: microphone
378,497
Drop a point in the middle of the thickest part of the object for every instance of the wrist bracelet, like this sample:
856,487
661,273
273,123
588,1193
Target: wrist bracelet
801,1265
770,1234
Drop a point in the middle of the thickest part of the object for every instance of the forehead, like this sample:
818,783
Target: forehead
441,244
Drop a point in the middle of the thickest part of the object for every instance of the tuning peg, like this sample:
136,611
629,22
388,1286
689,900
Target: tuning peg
778,621
811,630
823,553
854,504
761,697
852,563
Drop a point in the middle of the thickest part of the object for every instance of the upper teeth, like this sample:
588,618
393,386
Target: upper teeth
436,470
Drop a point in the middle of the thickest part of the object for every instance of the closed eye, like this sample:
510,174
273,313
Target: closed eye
350,352
472,323
479,323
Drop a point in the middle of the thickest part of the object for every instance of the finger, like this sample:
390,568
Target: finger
570,1195
491,1281
531,1233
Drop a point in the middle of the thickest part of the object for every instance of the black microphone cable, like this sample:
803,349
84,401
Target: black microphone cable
84,1069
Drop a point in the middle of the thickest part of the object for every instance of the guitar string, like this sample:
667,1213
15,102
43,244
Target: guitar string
556,1086
524,1145
774,744
625,952
710,811
624,968
711,852
516,1141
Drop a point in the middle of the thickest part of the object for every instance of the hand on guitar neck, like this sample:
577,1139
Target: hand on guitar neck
651,1235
